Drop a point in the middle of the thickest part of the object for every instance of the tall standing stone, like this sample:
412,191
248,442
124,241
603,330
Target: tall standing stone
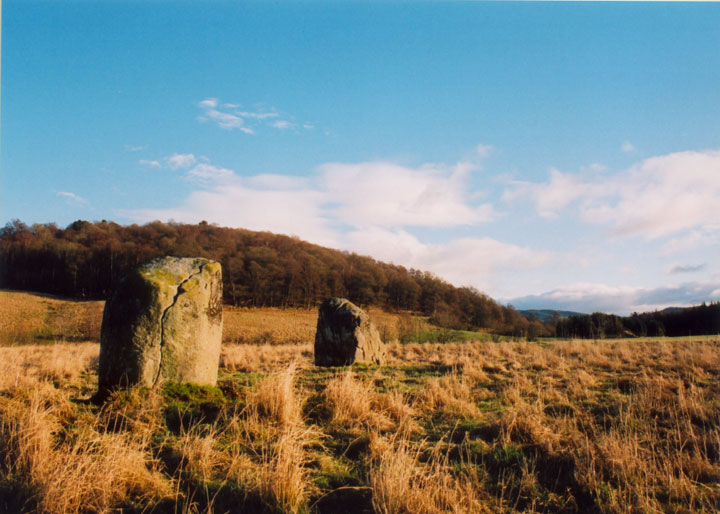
345,335
163,322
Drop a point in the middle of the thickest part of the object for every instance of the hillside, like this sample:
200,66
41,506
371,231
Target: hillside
260,269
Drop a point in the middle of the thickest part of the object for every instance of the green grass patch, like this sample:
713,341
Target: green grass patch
187,404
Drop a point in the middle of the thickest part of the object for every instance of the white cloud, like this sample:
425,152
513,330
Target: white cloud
483,150
208,172
664,195
480,262
180,160
561,190
258,115
72,198
704,236
657,197
281,124
208,103
390,195
151,163
229,116
595,167
134,148
380,194
583,297
273,181
627,147
225,120
222,119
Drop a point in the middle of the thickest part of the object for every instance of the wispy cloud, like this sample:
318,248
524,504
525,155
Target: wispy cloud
135,148
484,150
209,173
226,120
72,198
180,160
223,119
211,103
707,235
230,116
151,163
281,124
687,269
627,147
176,161
258,115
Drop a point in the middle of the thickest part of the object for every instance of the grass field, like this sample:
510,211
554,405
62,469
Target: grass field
565,426
33,318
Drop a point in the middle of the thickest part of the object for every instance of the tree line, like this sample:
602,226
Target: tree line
260,269
673,322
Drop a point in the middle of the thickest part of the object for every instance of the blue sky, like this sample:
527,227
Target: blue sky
562,155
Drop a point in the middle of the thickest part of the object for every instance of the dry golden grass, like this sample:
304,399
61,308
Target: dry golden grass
349,399
269,326
449,395
27,318
271,429
401,482
34,318
275,400
264,358
569,426
93,471
353,402
30,363
291,326
21,315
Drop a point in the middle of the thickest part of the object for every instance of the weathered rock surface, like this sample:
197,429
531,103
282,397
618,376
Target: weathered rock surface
345,335
163,322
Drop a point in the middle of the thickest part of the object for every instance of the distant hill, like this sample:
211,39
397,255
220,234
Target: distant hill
668,310
545,314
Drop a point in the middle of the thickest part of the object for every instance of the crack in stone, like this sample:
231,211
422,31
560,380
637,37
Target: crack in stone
165,312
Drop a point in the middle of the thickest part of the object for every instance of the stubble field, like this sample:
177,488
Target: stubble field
565,426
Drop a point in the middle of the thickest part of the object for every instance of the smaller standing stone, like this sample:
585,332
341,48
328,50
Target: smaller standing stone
163,322
345,335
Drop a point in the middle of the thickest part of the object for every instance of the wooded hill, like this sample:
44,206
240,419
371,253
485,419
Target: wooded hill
260,269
